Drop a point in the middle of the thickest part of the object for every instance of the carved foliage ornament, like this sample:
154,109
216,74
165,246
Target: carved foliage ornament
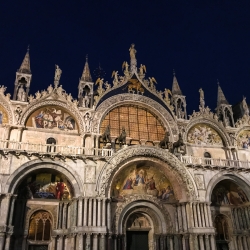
146,151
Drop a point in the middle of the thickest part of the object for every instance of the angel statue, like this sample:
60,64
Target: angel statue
152,81
125,65
245,106
142,69
115,76
132,51
201,94
58,73
100,82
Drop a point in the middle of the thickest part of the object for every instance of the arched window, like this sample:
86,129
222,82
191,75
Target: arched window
207,155
51,141
40,226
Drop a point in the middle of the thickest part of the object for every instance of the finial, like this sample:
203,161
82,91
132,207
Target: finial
218,82
173,72
87,58
28,48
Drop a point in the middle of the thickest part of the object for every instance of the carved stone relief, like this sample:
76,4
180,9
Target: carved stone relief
199,180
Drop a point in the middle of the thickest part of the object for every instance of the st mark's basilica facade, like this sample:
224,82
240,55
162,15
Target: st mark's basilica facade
121,167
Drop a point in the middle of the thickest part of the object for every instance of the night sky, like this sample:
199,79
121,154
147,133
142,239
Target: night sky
202,40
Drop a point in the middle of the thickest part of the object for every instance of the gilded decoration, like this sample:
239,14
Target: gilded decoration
145,180
3,115
202,134
228,193
53,118
243,139
138,123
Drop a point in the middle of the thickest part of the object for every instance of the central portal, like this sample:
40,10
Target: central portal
137,240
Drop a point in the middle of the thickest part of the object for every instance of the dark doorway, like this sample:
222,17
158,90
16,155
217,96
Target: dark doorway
38,247
137,240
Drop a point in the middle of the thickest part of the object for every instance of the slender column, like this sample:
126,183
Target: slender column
94,212
212,242
7,242
60,216
240,246
87,245
109,215
5,203
199,215
235,244
102,242
24,242
12,208
247,218
99,212
53,242
184,217
59,243
80,242
195,215
201,241
95,241
103,212
248,240
85,212
79,212
90,213
65,205
207,242
171,243
206,224
235,218
209,215
179,218
162,242
191,242
183,242
203,223
66,240
239,218
189,215
196,244
245,242
115,242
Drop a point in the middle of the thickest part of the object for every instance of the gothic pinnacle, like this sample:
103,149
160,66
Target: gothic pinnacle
175,86
25,66
86,76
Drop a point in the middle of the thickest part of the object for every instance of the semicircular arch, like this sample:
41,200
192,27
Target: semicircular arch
211,123
150,154
5,105
17,176
137,100
70,108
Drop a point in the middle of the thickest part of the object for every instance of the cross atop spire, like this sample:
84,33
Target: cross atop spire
25,66
86,76
221,99
175,86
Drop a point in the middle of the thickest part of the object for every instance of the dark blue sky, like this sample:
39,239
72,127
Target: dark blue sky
202,40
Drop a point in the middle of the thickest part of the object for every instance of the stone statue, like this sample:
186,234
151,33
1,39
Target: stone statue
106,135
245,106
100,82
125,65
178,144
142,69
21,95
122,137
152,81
167,92
201,94
87,121
18,113
58,73
165,142
132,52
115,76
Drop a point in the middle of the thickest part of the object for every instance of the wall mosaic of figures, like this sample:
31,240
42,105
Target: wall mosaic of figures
3,115
228,193
145,180
46,186
243,139
52,117
202,134
138,123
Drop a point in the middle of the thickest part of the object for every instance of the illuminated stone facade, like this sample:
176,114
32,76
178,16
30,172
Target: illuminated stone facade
122,167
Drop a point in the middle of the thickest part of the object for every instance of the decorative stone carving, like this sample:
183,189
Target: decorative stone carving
202,134
199,180
18,113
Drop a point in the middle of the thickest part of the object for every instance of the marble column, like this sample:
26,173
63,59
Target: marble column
7,242
109,216
80,241
88,242
206,215
203,223
12,209
245,242
66,241
59,242
5,209
195,215
90,212
179,218
207,242
94,212
199,214
53,242
184,217
201,242
99,212
2,239
240,245
171,243
65,206
209,215
115,242
24,242
247,217
102,242
79,212
95,242
60,216
183,242
212,242
85,213
191,242
103,212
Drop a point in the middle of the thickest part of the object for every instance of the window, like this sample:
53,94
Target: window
40,226
51,141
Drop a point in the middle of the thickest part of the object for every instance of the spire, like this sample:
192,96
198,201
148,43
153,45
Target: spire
86,76
175,87
25,66
221,99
